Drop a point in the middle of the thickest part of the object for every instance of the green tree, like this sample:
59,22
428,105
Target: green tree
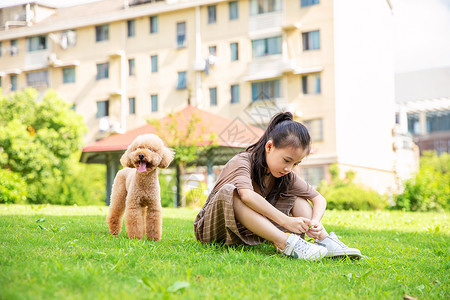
40,139
429,189
189,140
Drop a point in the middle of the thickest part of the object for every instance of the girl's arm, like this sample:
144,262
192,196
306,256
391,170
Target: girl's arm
260,205
319,205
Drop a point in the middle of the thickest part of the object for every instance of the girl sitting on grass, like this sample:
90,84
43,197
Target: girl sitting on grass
257,197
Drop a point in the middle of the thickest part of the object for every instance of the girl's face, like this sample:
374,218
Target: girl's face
281,161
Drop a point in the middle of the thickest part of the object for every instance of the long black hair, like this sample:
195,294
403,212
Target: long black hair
284,132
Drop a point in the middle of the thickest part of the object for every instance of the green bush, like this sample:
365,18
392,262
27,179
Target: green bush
344,194
40,138
13,189
429,189
354,197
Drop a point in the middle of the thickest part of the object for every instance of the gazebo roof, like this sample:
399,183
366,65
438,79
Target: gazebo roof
230,133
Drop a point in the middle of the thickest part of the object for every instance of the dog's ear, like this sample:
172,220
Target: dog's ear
125,160
167,157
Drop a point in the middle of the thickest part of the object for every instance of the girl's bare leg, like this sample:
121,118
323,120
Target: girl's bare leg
303,208
257,223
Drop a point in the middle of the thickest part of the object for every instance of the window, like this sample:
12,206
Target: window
131,26
264,90
68,75
315,128
102,71
14,51
154,61
153,24
212,14
102,33
265,47
234,91
234,48
1,49
36,43
181,35
311,84
311,40
181,83
438,121
413,123
102,109
213,96
1,81
304,3
313,175
37,79
13,82
258,7
233,9
132,106
212,50
131,67
154,99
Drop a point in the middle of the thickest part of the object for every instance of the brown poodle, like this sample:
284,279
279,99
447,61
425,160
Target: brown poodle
136,189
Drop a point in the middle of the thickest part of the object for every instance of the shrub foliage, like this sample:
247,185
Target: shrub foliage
40,140
345,194
429,189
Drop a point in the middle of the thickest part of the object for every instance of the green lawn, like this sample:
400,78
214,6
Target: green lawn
54,252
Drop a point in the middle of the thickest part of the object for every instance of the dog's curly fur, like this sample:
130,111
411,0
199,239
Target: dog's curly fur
136,189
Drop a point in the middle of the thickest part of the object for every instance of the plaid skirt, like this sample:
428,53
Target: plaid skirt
216,221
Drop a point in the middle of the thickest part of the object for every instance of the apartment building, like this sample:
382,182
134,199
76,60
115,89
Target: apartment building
123,62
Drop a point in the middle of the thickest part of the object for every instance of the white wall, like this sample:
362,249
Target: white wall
364,81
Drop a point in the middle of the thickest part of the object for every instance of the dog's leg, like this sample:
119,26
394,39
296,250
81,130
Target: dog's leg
117,205
134,221
153,226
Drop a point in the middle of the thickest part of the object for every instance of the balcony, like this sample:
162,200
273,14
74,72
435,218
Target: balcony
36,60
265,22
269,67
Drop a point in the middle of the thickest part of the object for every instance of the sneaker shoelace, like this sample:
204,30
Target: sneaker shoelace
302,246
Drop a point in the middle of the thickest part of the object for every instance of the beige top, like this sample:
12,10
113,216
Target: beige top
238,173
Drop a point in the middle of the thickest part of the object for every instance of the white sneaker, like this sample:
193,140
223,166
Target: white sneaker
301,249
336,248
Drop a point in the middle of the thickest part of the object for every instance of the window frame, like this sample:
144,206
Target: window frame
154,24
234,92
132,105
212,14
266,44
154,63
308,40
131,28
71,75
154,103
182,82
102,33
233,10
213,96
98,114
102,73
181,35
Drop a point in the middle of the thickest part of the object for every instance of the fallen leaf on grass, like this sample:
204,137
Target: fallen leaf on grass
407,297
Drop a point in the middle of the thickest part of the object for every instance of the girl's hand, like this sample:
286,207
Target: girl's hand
297,224
314,229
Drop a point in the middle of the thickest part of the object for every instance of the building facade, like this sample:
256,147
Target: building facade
121,63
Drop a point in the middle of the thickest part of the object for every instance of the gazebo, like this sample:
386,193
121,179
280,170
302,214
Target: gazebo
233,135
